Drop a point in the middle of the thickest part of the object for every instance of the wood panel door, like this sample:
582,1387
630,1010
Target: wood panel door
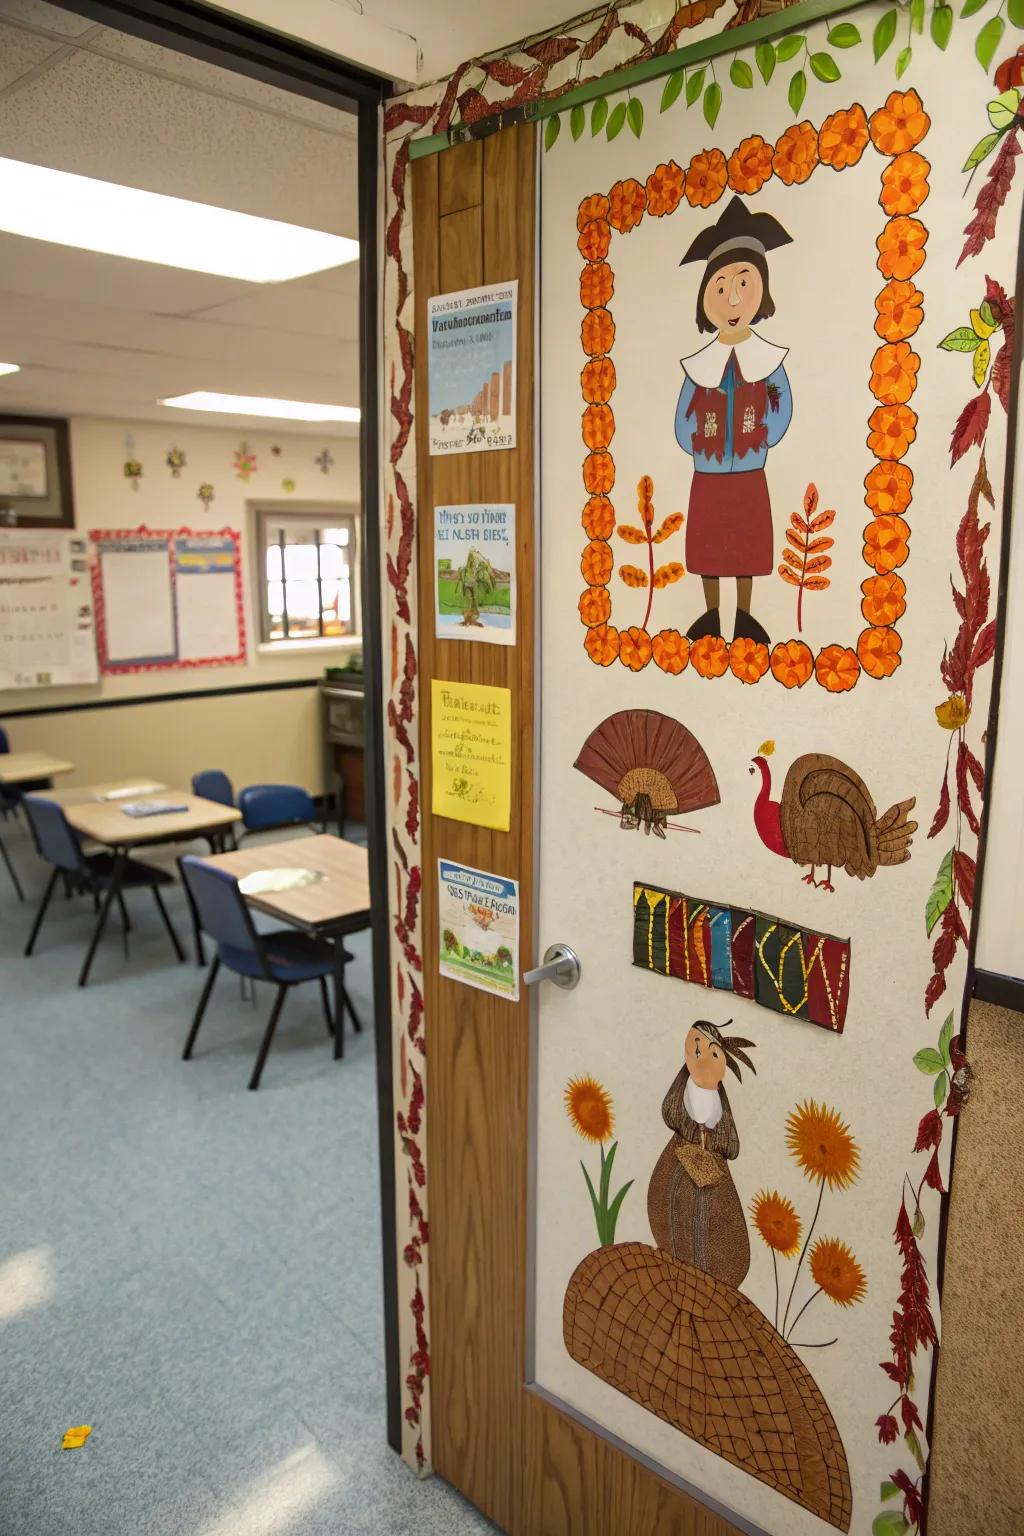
531,1467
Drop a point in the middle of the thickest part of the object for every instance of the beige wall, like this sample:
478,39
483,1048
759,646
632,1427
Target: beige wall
255,737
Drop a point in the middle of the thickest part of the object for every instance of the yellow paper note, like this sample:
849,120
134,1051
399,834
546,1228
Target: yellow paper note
472,753
76,1436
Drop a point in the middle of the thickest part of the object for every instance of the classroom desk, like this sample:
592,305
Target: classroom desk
81,794
337,905
104,822
23,767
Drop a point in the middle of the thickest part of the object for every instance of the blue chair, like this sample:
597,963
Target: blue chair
267,807
96,874
212,784
287,958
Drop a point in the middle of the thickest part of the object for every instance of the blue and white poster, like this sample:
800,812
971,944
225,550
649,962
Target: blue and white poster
475,572
478,928
472,369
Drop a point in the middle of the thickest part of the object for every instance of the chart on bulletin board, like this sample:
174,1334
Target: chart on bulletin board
167,599
47,635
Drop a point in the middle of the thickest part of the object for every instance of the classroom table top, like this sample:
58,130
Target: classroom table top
22,767
138,788
105,821
343,893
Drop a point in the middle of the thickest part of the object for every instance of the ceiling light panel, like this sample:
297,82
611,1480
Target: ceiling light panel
260,405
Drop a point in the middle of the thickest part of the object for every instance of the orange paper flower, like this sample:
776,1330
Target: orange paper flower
885,600
594,240
748,660
595,606
602,644
597,284
900,124
594,207
893,429
706,176
664,189
796,154
710,656
792,663
777,1221
597,331
589,1107
837,668
599,518
894,373
888,487
822,1145
901,247
596,563
670,650
878,650
905,183
836,1272
628,201
598,426
598,379
750,165
899,310
885,543
634,648
843,137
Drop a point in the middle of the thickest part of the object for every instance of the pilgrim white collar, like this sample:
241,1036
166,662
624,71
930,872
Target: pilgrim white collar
704,1105
756,357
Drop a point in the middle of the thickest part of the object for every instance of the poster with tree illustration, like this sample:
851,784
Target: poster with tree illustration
776,333
475,572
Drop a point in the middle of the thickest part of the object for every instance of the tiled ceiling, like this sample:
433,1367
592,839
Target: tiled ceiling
450,31
99,335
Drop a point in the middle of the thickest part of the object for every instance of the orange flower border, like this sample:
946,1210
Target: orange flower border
800,152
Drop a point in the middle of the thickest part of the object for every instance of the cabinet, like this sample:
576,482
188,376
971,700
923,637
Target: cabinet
343,731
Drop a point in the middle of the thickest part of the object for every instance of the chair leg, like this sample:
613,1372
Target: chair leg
275,1014
11,870
167,922
51,886
109,897
125,920
204,998
352,1014
326,1000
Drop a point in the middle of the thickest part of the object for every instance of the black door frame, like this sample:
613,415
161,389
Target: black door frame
193,28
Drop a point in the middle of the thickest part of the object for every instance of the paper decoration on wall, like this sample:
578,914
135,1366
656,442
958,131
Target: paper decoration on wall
592,1115
244,462
288,486
205,493
275,449
132,465
176,461
798,972
653,766
826,816
471,752
804,562
47,634
478,928
472,369
598,434
325,461
475,572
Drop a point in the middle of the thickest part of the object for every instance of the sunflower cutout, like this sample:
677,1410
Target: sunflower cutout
836,1272
591,1113
822,1145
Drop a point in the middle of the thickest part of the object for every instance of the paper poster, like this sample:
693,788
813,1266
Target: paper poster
478,929
472,369
471,729
47,635
474,572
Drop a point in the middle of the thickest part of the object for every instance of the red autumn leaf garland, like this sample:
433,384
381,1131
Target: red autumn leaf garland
991,197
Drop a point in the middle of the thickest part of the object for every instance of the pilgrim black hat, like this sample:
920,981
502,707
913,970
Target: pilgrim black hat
737,229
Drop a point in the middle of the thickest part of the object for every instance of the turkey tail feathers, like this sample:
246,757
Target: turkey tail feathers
894,833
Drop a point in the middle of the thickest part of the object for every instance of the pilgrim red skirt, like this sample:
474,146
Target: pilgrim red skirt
729,525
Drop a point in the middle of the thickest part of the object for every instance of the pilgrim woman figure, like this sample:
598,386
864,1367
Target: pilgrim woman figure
692,1204
734,405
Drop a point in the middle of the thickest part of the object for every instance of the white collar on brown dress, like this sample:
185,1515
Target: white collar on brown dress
756,358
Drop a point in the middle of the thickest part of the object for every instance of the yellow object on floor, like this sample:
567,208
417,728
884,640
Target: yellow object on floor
75,1437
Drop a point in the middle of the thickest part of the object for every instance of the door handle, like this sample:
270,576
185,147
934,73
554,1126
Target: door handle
561,965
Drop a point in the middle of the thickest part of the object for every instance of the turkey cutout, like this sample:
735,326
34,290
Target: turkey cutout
653,766
826,816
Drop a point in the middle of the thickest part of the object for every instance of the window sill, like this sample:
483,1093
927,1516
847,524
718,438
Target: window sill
300,647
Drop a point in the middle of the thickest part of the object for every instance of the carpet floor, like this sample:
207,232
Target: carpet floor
192,1269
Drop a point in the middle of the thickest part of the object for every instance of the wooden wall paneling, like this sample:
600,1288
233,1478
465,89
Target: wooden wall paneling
460,177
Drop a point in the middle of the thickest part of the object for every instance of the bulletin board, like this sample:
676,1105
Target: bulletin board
47,635
167,599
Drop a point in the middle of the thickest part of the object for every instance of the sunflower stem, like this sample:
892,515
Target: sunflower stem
803,1309
799,1262
807,1344
775,1267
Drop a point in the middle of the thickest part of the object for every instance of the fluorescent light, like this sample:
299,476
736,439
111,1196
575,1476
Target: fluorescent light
10,367
259,405
43,204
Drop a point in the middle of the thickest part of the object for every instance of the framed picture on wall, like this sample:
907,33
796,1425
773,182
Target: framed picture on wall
35,473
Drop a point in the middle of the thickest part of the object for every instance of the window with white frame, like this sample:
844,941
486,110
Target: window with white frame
308,572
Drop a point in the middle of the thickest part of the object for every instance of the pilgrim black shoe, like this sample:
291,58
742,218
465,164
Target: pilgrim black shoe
707,624
747,628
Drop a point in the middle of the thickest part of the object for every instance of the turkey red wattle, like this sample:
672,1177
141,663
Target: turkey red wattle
767,818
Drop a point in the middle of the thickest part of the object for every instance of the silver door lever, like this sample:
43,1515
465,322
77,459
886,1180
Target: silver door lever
561,965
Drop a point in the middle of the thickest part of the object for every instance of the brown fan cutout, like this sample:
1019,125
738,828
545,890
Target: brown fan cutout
652,765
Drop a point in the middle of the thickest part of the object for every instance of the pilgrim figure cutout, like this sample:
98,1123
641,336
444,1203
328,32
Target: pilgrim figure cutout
692,1204
734,405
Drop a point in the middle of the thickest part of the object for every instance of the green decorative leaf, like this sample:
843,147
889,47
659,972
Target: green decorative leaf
635,116
577,122
917,1225
987,41
741,74
884,33
764,58
970,6
673,88
942,25
712,103
607,1159
903,60
914,1447
616,121
845,35
917,15
985,311
888,1491
890,1523
788,48
613,1211
593,1198
797,91
940,1090
1015,11
598,115
824,67
694,86
928,1061
1003,110
981,150
945,1036
552,129
942,889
